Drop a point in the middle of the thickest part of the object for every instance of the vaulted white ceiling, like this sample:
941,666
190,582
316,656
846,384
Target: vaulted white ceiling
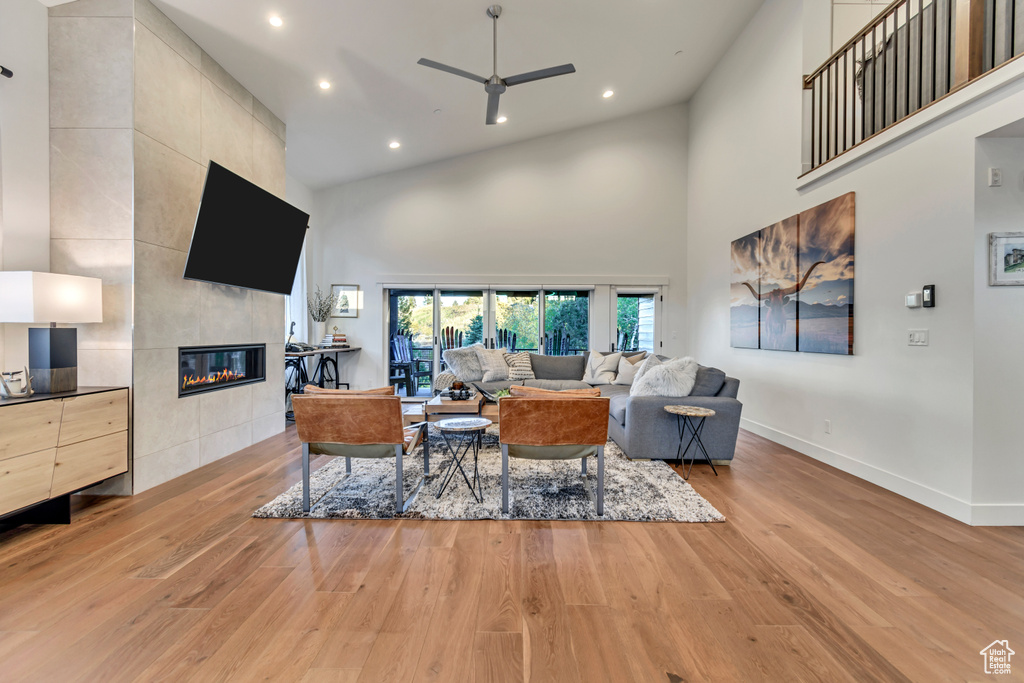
649,52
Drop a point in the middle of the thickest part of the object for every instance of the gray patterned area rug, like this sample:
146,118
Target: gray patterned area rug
634,490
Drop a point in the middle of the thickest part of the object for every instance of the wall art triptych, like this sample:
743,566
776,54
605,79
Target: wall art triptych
792,282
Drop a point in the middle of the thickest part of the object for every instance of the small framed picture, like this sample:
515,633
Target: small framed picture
1007,264
346,303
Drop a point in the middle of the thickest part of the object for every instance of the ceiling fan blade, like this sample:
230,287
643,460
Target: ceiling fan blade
492,108
452,70
542,73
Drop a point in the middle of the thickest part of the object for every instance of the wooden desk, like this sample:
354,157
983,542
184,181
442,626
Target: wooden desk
320,352
52,445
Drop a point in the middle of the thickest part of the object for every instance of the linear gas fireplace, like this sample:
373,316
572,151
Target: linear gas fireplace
209,368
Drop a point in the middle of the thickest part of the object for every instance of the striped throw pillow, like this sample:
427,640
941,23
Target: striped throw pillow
519,366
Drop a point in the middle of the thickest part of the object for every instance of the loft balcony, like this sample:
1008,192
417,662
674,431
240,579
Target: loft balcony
914,54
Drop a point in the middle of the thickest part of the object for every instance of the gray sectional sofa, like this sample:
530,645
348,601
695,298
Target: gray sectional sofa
639,424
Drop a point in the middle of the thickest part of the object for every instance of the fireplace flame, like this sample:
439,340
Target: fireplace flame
212,378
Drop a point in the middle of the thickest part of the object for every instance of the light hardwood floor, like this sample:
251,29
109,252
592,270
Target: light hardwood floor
815,576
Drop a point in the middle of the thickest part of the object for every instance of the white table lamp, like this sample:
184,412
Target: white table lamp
30,297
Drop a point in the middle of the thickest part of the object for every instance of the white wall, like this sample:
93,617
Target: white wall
24,155
902,417
605,201
850,16
998,330
300,196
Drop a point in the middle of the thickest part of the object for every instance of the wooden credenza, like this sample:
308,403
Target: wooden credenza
55,444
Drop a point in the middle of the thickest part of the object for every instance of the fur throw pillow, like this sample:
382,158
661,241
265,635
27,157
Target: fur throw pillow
492,362
674,378
645,367
465,363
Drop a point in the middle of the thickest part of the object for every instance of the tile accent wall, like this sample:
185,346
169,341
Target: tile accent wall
189,110
90,52
137,110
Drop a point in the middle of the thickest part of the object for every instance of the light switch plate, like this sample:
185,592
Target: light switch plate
917,337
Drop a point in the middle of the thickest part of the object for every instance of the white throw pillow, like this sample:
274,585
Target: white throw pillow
672,379
645,367
601,369
627,371
492,362
519,366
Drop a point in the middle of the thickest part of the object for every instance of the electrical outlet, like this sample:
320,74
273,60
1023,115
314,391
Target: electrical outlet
917,337
995,177
828,426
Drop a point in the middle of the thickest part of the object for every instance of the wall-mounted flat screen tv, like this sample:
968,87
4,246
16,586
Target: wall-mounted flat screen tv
244,236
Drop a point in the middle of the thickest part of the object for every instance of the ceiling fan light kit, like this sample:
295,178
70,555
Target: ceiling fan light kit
495,86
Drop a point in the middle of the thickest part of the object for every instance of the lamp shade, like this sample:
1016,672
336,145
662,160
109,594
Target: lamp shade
30,297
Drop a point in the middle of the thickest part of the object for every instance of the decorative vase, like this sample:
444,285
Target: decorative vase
319,330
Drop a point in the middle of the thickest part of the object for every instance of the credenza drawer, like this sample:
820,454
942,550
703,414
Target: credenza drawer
25,479
29,428
93,415
87,462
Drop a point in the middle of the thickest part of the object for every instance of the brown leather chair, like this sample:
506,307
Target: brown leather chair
553,428
356,426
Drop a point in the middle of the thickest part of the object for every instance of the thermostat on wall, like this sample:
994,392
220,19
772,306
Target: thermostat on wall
914,300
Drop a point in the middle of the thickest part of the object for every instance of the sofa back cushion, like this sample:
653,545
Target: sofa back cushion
557,367
464,362
557,384
709,381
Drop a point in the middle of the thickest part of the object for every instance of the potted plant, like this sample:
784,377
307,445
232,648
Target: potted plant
320,305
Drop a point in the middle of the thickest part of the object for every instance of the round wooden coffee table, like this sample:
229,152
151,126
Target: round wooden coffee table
469,433
685,415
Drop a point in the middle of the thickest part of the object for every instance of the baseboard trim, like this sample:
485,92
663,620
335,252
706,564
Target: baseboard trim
1000,514
959,510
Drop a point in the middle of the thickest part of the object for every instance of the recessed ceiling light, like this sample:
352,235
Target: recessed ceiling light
394,144
275,21
502,119
325,85
607,94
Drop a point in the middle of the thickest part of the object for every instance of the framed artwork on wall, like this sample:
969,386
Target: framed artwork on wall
826,264
1006,265
346,303
792,282
745,295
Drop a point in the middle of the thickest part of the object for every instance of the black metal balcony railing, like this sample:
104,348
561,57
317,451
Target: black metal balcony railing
913,54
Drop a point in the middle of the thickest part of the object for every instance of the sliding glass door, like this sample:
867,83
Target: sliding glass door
460,320
423,323
636,316
566,322
516,320
411,341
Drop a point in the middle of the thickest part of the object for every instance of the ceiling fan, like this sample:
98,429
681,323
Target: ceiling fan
495,85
